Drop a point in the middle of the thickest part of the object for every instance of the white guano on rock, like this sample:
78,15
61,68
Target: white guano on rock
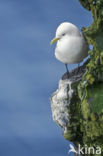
60,101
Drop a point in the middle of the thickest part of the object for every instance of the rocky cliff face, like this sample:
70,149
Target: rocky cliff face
77,105
63,97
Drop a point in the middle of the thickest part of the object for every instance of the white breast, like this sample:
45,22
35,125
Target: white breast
71,49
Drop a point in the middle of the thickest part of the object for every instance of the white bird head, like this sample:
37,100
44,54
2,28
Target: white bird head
65,29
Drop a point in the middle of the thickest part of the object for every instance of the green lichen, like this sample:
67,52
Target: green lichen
96,94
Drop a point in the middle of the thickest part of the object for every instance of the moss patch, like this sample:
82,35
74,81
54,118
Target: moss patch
95,98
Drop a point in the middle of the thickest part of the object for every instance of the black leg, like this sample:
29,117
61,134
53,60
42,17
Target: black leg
67,70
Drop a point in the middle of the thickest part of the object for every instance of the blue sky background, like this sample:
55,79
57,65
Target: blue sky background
29,74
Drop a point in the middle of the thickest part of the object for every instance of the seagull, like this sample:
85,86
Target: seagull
72,47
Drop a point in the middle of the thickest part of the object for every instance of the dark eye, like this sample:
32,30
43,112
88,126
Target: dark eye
63,34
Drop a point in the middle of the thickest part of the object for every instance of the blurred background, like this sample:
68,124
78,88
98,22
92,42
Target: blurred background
29,74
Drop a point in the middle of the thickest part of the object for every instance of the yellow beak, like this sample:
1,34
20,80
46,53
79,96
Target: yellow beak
54,40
